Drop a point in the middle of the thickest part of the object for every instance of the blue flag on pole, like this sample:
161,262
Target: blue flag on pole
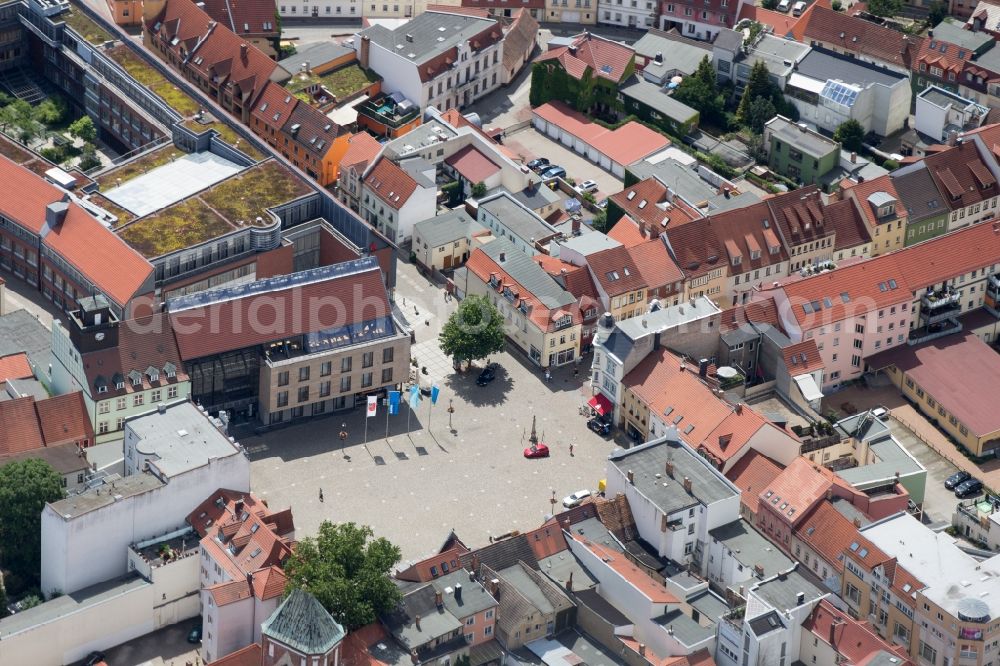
414,397
393,402
435,391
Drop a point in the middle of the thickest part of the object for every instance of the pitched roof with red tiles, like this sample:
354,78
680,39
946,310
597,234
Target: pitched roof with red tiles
961,175
390,183
21,430
212,49
362,295
144,344
656,592
607,59
274,106
472,164
651,206
217,506
64,419
795,491
362,148
861,192
309,127
752,473
243,541
828,533
615,270
33,195
546,540
251,655
106,260
574,279
629,143
856,642
943,55
856,35
784,25
628,232
763,311
244,17
847,223
527,4
655,264
799,215
15,366
802,357
360,644
950,255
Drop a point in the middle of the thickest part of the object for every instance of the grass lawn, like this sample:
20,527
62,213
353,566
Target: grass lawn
244,197
86,28
227,134
143,73
182,225
341,83
137,167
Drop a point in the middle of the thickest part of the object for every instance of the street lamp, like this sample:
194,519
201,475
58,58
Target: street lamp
552,502
451,410
343,438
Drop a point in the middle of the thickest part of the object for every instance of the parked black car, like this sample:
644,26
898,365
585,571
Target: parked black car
554,171
968,488
956,479
598,425
538,163
194,636
488,374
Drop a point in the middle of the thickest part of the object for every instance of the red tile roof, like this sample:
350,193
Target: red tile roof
945,55
245,541
472,164
856,35
362,148
628,232
802,357
961,175
251,655
100,255
961,372
33,195
650,205
356,648
855,641
783,24
274,106
752,473
15,366
390,183
143,343
847,223
629,143
615,270
64,419
796,490
950,255
799,215
218,506
861,191
605,58
828,533
362,295
528,4
656,592
244,16
763,311
655,264
21,430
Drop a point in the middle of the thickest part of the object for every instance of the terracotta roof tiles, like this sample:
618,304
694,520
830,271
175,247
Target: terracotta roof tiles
33,195
362,148
853,641
64,419
390,183
605,58
472,164
21,430
752,473
647,203
656,592
802,357
655,264
15,366
796,490
961,175
856,35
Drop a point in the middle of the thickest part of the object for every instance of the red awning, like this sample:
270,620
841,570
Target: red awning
601,404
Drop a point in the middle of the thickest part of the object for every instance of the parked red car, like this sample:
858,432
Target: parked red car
537,451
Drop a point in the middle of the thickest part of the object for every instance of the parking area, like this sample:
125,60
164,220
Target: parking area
426,478
939,502
529,144
166,647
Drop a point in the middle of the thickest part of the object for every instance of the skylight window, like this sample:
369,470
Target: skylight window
855,545
827,303
807,308
630,196
255,553
892,284
687,431
678,419
845,297
882,286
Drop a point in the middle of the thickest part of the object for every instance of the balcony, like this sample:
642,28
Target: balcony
936,306
933,331
992,300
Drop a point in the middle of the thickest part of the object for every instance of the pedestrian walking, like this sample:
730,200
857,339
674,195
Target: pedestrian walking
570,450
320,494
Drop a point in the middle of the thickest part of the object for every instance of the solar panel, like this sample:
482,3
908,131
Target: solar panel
839,93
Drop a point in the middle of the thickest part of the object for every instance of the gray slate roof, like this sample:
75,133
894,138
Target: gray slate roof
434,623
729,40
301,623
668,494
528,274
679,53
474,599
447,228
425,30
824,65
810,142
751,548
502,554
918,193
562,565
781,591
657,99
522,222
953,31
536,196
686,630
686,182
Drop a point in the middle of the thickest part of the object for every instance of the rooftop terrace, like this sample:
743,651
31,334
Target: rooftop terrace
226,133
228,206
84,26
146,75
139,166
341,83
383,109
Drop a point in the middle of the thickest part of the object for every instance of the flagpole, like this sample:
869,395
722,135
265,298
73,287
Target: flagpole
409,412
366,424
430,405
388,408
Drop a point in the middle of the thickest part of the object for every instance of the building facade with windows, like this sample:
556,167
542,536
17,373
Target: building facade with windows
636,14
699,20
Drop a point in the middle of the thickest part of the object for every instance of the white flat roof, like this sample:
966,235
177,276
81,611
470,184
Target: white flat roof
180,439
348,113
172,182
810,391
806,83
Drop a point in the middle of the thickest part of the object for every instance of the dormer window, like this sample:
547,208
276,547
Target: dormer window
754,255
119,381
135,377
170,370
737,260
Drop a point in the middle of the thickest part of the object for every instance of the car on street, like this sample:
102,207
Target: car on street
553,172
969,488
537,451
539,163
573,500
194,636
956,479
94,658
587,186
488,374
600,426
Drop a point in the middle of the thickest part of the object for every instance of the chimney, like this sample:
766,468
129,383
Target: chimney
503,257
857,523
416,621
472,576
800,598
366,44
664,522
438,600
238,508
161,408
413,653
687,485
724,441
642,228
409,38
669,466
243,51
854,157
55,213
758,570
475,564
569,582
575,225
494,586
631,477
642,649
458,592
739,408
833,630
703,367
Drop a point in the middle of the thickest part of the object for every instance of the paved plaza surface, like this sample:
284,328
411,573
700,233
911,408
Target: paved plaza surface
413,488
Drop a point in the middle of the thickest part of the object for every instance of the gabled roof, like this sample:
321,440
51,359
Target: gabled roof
751,474
33,195
21,430
274,106
390,183
29,425
935,52
472,164
870,192
854,641
244,17
362,148
607,59
143,343
311,129
616,271
918,193
846,221
631,574
649,203
755,312
301,623
655,264
15,366
828,533
802,357
520,37
251,655
961,175
796,490
857,35
799,215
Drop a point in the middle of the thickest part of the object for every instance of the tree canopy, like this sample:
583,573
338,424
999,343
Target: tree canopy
759,112
473,331
347,571
885,8
701,92
850,134
83,128
25,487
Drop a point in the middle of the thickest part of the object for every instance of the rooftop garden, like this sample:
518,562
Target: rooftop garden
182,225
340,83
139,166
227,134
146,75
13,151
246,196
85,26
124,216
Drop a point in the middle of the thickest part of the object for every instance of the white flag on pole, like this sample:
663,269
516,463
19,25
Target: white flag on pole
372,405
